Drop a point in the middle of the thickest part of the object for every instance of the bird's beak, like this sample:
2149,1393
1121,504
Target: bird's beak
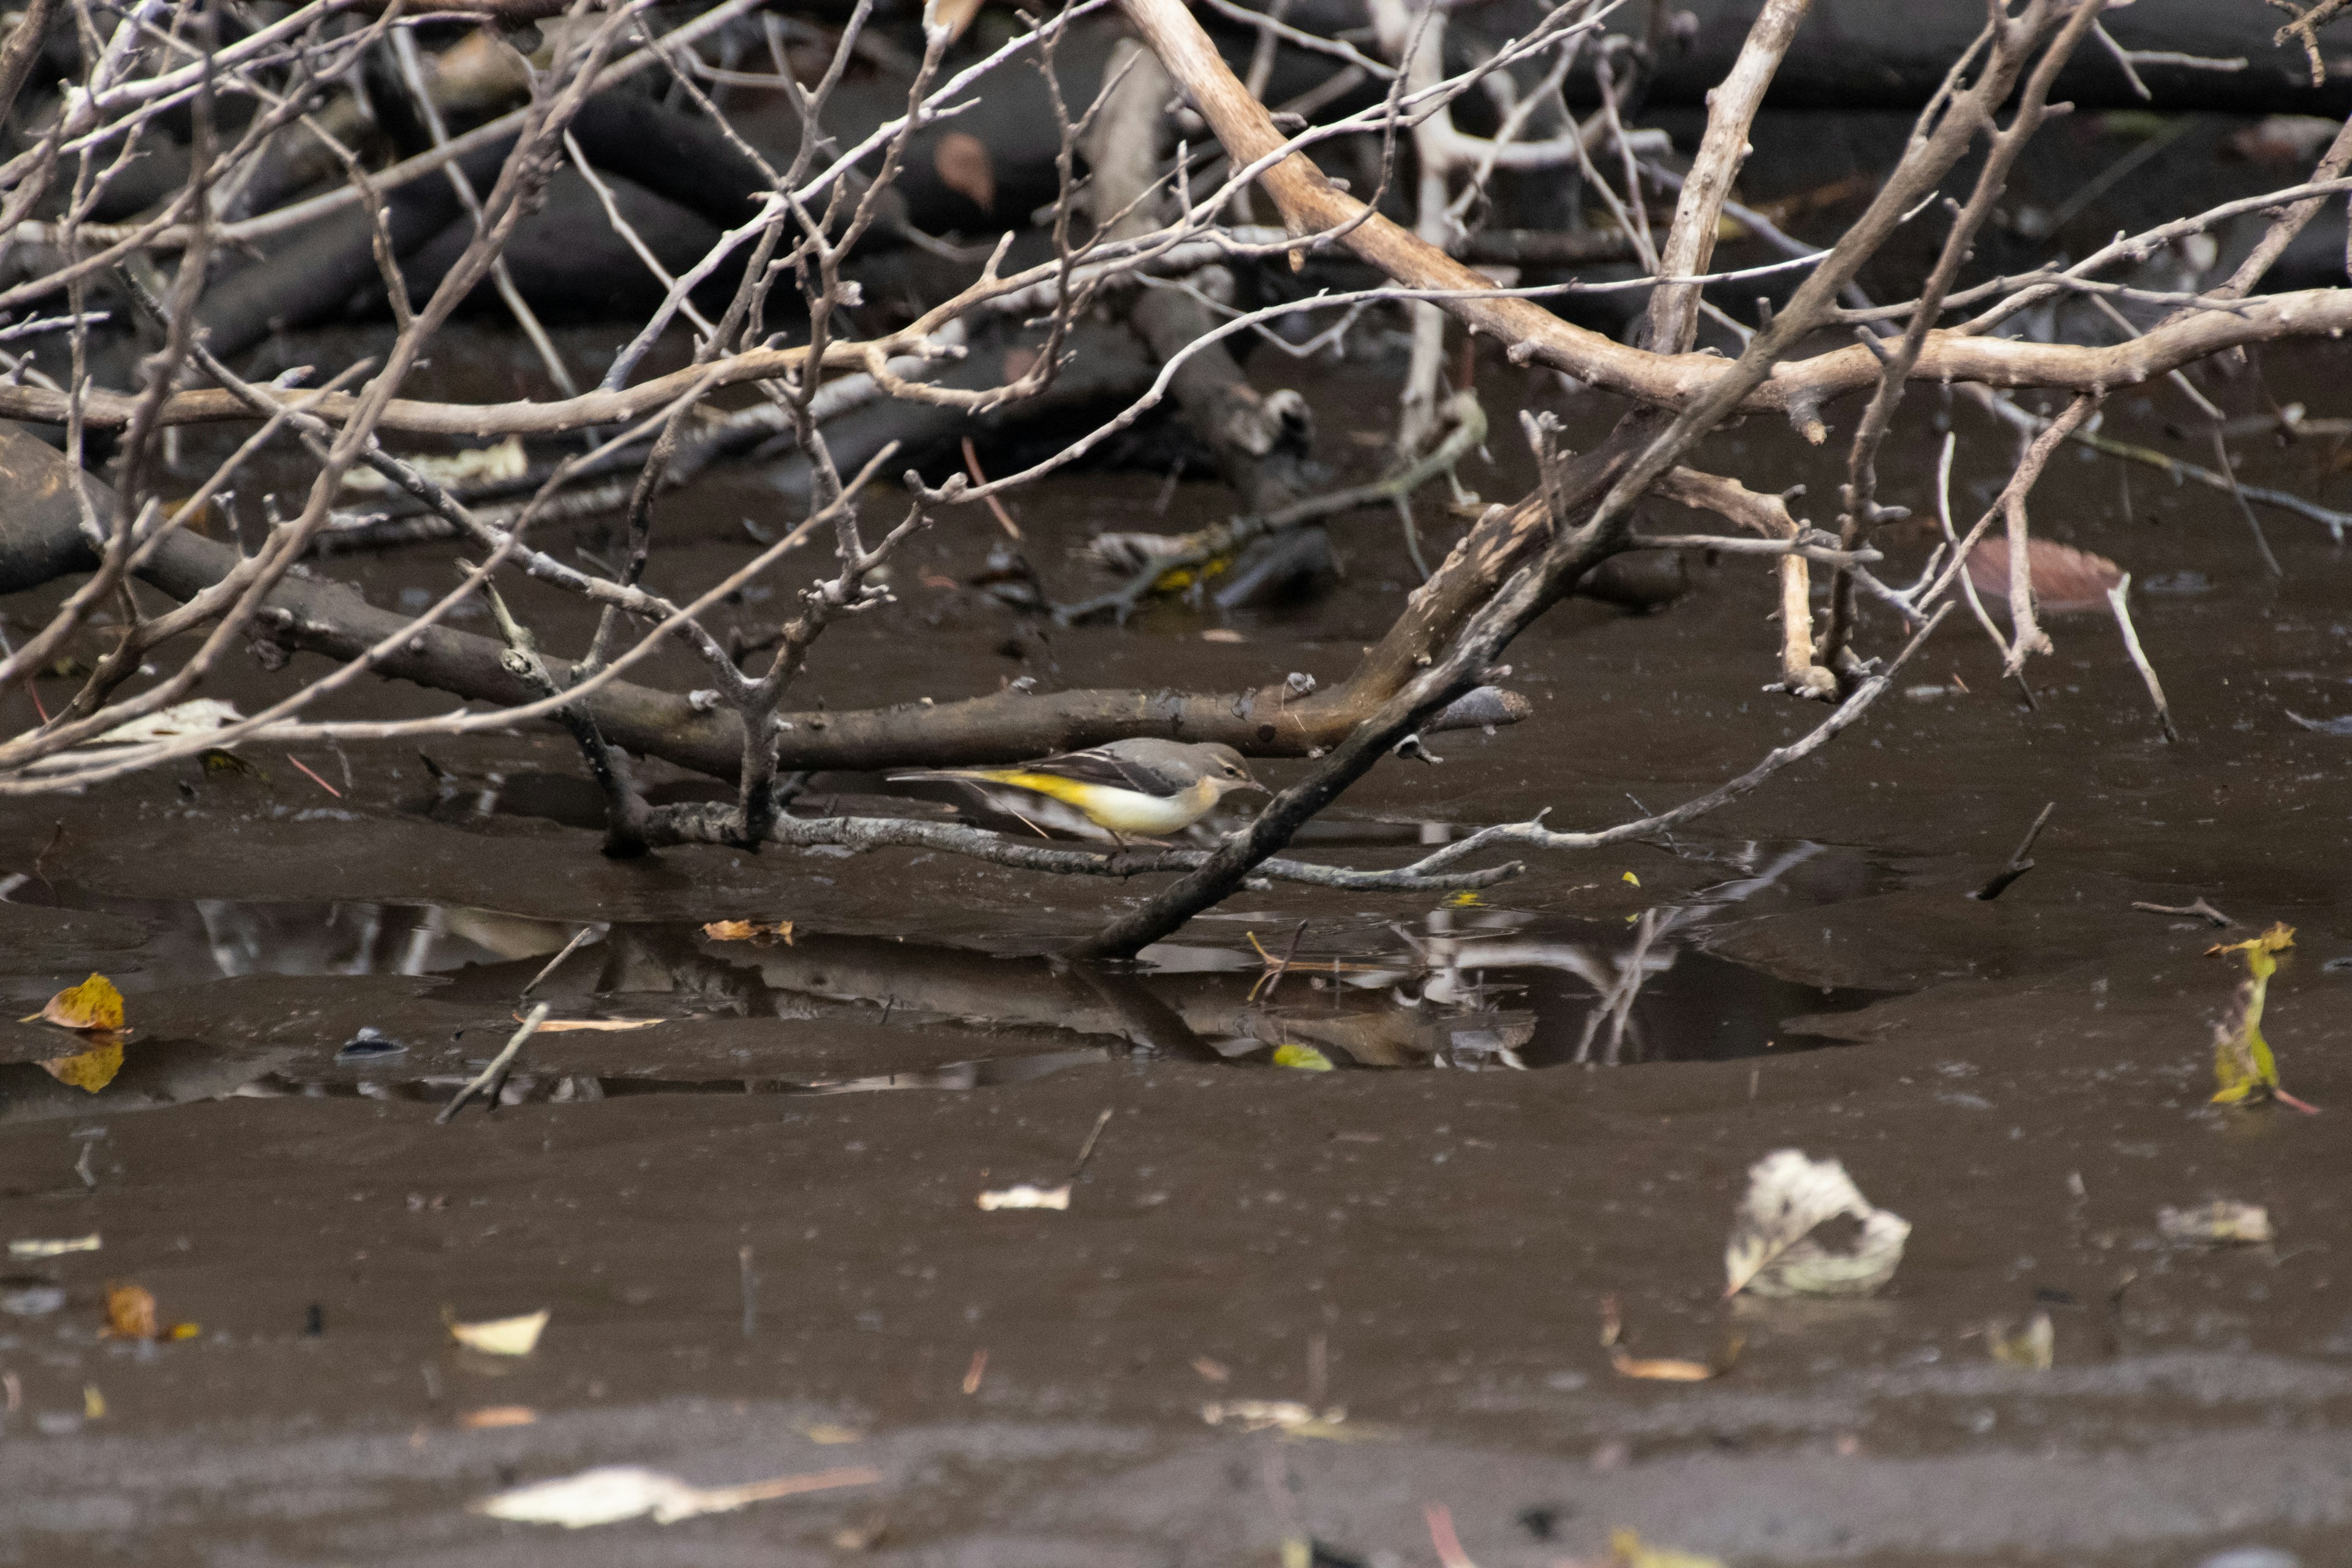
1251,784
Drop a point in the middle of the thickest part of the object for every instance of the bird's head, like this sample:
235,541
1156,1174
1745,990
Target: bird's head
1226,773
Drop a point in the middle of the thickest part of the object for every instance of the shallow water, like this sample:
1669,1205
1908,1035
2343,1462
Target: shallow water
1422,1235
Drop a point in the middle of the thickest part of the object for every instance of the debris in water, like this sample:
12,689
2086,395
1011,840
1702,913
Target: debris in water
131,1315
499,1336
22,1297
611,1493
1303,1058
37,1247
2220,1223
1771,1251
1661,1369
492,1416
2065,579
1626,1551
2030,1347
198,718
593,1026
1027,1196
1288,1417
368,1045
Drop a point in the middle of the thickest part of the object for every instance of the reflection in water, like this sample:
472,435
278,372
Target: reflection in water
1467,989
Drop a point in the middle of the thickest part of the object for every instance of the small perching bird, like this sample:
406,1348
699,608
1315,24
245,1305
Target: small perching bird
1142,786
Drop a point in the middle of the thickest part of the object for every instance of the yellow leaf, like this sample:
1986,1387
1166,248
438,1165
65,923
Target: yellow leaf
1467,898
93,1402
130,1312
1303,1058
2243,1065
500,1336
1629,1551
1628,876
94,1003
747,931
2030,1347
88,1070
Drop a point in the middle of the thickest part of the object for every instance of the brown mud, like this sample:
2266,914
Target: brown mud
1422,1237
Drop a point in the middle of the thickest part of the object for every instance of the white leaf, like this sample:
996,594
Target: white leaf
1027,1196
502,1336
1772,1252
194,718
611,1493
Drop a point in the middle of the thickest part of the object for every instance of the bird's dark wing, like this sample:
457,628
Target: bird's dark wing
1101,765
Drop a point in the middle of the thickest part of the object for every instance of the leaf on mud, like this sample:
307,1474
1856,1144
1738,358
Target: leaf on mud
199,717
1663,1369
131,1315
1303,1058
1771,1251
2064,578
1628,876
2219,1223
748,930
42,1246
2243,1065
593,1026
492,1416
1626,1551
499,1336
1027,1195
2030,1347
88,1070
1288,1417
477,465
94,1005
611,1493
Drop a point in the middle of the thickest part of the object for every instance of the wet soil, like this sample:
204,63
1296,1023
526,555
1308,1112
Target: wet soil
758,1263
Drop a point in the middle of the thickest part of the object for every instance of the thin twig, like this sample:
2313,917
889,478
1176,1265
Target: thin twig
497,1069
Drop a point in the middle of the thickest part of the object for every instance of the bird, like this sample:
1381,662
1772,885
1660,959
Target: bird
1141,786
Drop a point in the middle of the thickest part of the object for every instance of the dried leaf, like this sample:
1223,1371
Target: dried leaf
2243,1064
131,1315
593,1026
1668,1369
748,930
199,717
2030,1347
1222,634
2064,578
964,166
477,465
40,1247
1303,1058
1627,1552
2221,1222
93,1005
1771,1251
93,1402
131,1312
88,1070
1288,1417
611,1493
829,1436
1027,1196
499,1336
492,1416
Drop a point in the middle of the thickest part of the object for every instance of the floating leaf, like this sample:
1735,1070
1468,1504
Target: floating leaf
477,465
748,930
2030,1347
93,1005
2242,1063
2064,578
42,1246
1303,1058
1288,1417
499,1336
1026,1195
1771,1251
131,1315
1627,1552
88,1070
492,1416
2221,1222
611,1493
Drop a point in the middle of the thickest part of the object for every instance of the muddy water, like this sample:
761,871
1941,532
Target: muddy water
755,1266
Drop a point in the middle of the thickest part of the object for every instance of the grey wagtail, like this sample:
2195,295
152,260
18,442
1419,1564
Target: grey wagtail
1142,786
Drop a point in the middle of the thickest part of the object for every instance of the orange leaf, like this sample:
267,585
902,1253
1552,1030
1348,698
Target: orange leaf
497,1416
94,1003
131,1312
748,930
